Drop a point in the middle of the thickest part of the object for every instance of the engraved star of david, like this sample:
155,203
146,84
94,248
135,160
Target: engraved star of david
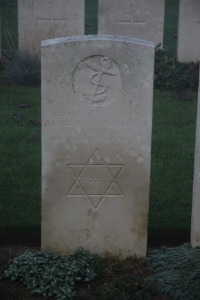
96,179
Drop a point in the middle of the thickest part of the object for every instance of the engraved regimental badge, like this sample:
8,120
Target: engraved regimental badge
97,80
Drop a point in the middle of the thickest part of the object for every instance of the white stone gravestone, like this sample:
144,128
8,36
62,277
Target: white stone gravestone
188,48
44,19
143,19
97,94
195,226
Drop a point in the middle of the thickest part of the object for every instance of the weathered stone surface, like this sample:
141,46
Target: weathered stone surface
44,19
143,19
195,226
96,143
189,31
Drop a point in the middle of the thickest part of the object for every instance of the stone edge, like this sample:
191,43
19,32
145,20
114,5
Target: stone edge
83,38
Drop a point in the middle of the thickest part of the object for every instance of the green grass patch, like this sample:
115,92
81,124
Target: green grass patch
20,153
171,26
91,16
8,9
173,140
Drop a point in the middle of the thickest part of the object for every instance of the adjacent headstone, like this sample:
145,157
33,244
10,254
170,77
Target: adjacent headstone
97,96
188,48
195,226
44,19
143,19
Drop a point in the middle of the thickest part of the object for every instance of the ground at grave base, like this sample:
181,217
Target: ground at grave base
12,245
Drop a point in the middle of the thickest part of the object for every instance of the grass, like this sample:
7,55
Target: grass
8,9
91,16
172,160
171,26
173,141
20,163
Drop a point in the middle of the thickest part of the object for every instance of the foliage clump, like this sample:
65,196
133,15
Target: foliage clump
125,280
177,271
51,275
174,76
21,68
125,287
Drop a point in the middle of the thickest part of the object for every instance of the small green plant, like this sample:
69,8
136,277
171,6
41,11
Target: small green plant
175,76
51,275
21,68
176,271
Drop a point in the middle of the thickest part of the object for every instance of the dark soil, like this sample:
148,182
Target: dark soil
13,244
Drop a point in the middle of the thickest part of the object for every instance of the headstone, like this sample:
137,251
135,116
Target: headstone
44,19
143,19
97,96
195,226
188,48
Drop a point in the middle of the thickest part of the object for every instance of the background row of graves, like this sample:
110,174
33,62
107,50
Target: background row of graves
55,21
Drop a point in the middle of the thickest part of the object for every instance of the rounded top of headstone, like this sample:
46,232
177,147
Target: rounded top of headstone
83,38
